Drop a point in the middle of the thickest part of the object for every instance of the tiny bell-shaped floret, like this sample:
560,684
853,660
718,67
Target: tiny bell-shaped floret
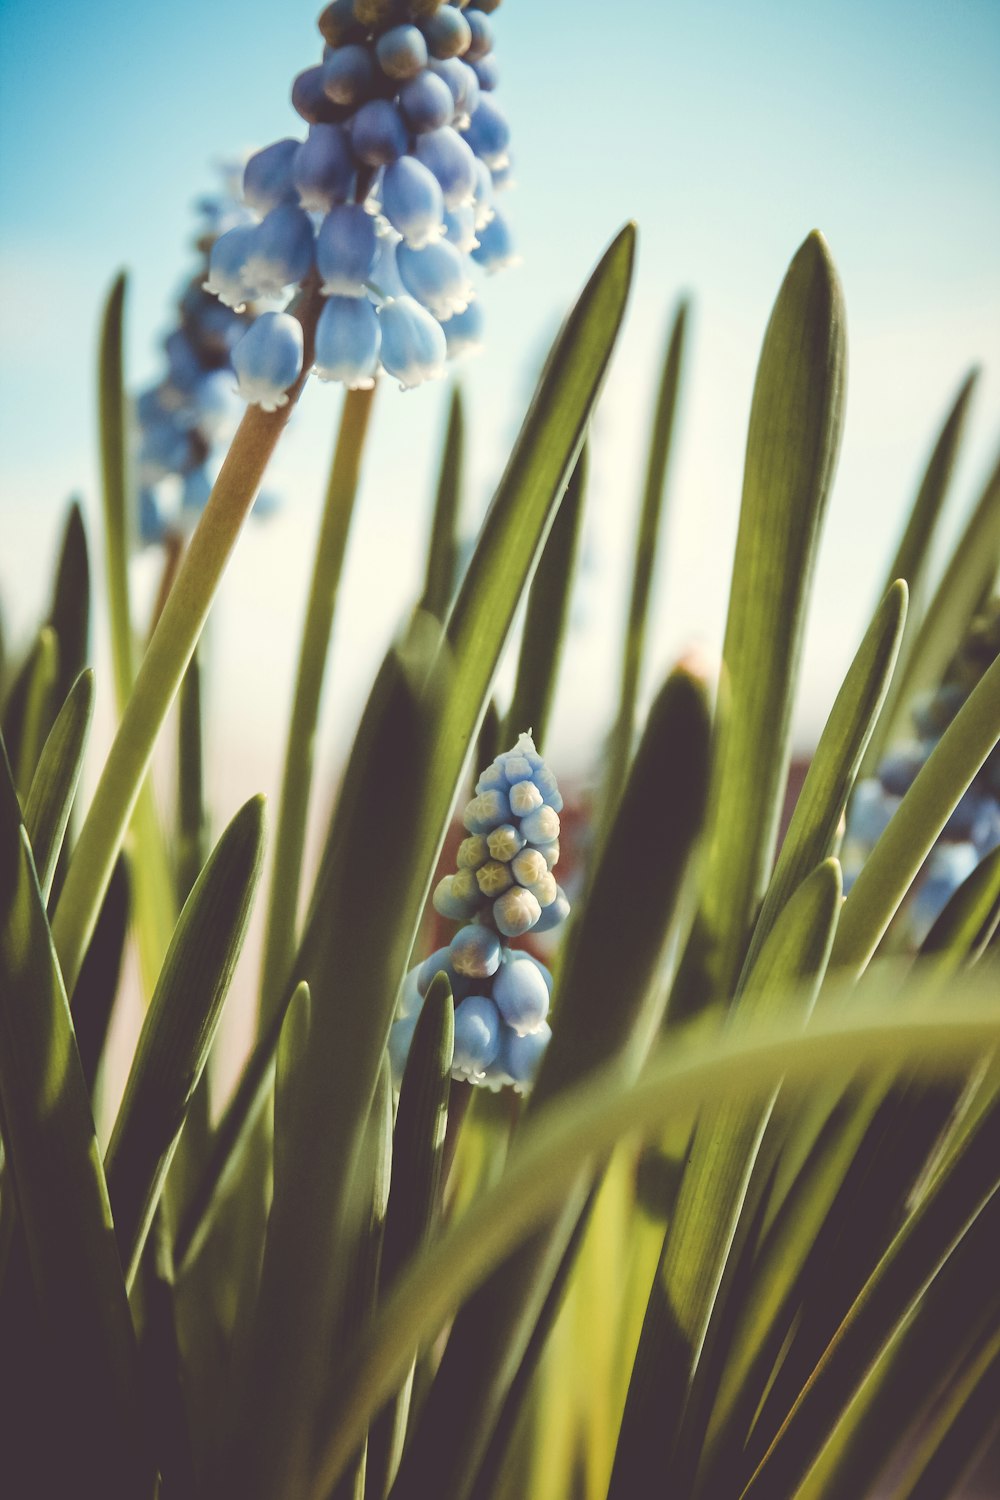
454,899
460,228
448,33
413,344
477,1036
488,132
268,359
401,52
464,86
483,197
410,997
281,252
227,278
494,878
349,74
436,276
521,1056
481,35
529,867
465,331
475,951
427,102
487,811
487,71
555,914
348,339
495,251
521,994
413,202
346,250
378,135
450,158
524,798
472,852
541,826
267,176
505,842
516,912
323,170
311,101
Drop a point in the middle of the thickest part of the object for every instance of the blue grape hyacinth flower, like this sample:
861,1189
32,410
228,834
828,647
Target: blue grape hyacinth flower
406,142
502,888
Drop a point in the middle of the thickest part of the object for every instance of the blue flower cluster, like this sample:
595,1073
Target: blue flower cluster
973,829
503,888
384,205
187,417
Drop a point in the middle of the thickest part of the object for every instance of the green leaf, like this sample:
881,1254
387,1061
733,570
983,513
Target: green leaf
97,986
713,1191
634,894
442,553
69,613
812,832
913,554
43,669
647,539
180,1027
968,922
414,1201
961,1428
91,1395
888,872
546,617
947,1212
429,699
682,1076
54,784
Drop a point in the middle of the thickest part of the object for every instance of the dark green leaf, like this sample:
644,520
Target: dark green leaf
39,705
54,784
442,553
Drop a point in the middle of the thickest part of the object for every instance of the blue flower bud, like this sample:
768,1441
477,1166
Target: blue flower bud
439,962
477,1036
346,250
494,878
349,74
268,359
488,132
452,161
448,33
453,900
548,786
401,52
481,38
464,332
545,890
378,135
281,251
541,826
475,951
948,865
311,101
496,246
505,842
502,178
521,995
165,449
522,956
486,70
348,339
483,203
554,915
413,202
226,276
215,408
411,996
436,276
899,768
524,798
184,366
427,102
267,176
460,228
464,86
472,852
413,346
400,1041
986,829
487,811
521,1056
516,912
323,169
871,809
529,867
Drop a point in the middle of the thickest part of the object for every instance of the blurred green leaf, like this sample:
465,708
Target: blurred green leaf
912,558
414,1198
578,1127
179,1028
969,920
812,832
97,986
546,618
713,1191
91,1403
54,784
69,612
39,701
792,448
634,894
622,736
429,699
442,552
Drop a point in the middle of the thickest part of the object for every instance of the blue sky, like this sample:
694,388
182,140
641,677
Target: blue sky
727,131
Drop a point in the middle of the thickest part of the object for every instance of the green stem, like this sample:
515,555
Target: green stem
286,879
163,667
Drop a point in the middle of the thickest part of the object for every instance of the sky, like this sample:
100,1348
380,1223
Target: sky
726,131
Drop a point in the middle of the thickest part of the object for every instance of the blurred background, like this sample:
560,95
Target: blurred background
726,131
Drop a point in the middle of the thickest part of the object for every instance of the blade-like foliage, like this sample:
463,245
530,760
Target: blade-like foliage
442,551
57,775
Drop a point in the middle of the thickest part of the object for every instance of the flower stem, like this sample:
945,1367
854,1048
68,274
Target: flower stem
159,676
286,878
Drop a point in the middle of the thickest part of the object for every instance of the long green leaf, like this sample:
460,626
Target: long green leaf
432,706
546,617
712,1194
792,448
634,893
892,865
442,552
180,1027
646,545
832,771
90,1409
913,553
69,612
54,784
39,705
961,1429
586,1122
969,920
